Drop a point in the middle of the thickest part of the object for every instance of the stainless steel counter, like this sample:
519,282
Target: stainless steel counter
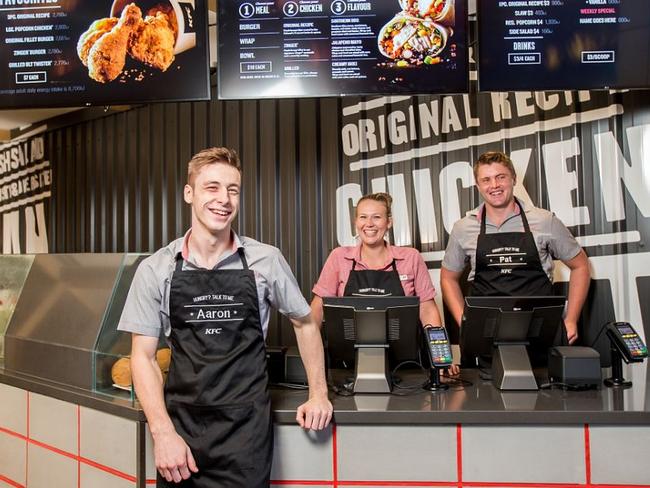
478,403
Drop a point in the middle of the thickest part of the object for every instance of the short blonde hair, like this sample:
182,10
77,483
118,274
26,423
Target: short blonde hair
492,157
211,155
381,197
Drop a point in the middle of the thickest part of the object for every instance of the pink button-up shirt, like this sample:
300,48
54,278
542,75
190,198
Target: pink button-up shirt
413,273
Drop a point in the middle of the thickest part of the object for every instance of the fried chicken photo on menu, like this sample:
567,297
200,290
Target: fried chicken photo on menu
107,56
169,12
153,42
96,30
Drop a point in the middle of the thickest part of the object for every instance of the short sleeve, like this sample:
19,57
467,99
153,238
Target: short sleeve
455,258
141,313
422,280
284,292
328,280
562,245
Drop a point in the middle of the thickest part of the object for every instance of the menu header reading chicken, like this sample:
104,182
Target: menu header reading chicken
72,53
293,48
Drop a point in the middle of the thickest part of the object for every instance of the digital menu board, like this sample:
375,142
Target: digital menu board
305,48
80,52
563,44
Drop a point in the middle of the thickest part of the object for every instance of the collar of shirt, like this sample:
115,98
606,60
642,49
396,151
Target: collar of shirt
187,256
354,253
478,211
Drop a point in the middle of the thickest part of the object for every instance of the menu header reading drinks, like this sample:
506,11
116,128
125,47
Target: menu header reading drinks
77,52
563,44
302,48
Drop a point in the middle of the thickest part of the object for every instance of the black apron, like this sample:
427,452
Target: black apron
373,282
216,391
508,264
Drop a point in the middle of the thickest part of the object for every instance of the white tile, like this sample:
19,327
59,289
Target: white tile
13,409
396,453
301,455
150,462
48,469
109,440
53,422
620,454
523,454
96,478
12,457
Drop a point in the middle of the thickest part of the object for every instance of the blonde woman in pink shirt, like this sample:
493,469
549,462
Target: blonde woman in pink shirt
374,267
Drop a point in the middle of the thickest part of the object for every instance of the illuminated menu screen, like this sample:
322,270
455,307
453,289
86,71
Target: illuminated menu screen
82,52
563,44
302,48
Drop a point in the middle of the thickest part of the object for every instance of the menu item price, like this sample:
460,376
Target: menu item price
338,47
554,44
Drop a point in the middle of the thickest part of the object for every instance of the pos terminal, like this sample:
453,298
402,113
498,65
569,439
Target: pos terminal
507,330
370,332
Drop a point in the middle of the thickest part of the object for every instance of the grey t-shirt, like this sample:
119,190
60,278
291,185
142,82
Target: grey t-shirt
553,239
147,306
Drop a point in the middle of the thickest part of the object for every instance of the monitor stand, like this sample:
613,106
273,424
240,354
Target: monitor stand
371,374
511,369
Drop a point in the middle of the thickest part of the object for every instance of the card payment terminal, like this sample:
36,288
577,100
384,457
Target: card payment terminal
439,347
627,341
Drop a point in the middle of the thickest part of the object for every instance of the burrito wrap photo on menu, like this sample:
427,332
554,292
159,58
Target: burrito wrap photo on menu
440,11
412,39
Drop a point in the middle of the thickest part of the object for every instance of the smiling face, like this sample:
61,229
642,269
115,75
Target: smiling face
214,197
372,222
496,184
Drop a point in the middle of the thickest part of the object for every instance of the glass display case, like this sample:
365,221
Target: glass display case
64,326
14,272
111,365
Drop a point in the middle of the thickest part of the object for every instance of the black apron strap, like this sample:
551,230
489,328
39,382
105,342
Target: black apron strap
242,256
524,220
179,262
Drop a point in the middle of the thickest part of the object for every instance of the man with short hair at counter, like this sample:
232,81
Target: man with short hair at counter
211,292
510,247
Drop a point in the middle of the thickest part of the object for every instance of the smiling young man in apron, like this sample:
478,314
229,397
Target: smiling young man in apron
510,246
211,292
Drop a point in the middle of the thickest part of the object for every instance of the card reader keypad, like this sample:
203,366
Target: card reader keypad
635,345
440,352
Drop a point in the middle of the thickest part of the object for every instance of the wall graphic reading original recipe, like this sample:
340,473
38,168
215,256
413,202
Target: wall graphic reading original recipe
341,47
65,52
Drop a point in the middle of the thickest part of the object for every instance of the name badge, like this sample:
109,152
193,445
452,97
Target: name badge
403,277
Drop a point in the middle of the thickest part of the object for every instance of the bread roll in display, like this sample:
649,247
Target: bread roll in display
121,372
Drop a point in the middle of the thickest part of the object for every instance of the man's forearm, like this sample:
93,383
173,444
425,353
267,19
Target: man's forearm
453,297
148,383
317,310
579,281
311,351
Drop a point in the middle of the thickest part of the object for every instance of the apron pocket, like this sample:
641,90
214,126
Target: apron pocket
221,436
